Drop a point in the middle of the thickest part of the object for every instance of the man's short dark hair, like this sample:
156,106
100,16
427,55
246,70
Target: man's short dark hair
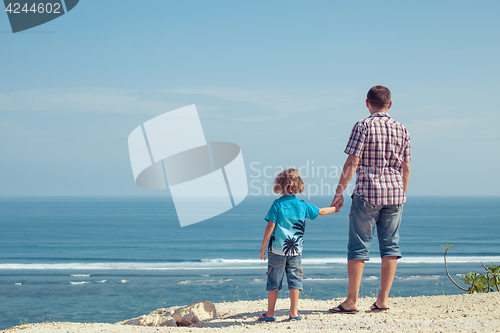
379,97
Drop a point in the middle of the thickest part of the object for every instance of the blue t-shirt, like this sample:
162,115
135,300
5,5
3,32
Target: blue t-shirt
289,214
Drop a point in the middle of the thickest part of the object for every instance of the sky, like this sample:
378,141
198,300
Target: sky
285,80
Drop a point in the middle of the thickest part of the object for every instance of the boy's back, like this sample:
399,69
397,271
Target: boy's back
289,214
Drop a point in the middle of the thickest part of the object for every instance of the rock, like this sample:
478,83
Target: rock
194,313
160,317
134,321
157,320
165,311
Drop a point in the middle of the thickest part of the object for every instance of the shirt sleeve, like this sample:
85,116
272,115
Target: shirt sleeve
406,149
312,211
356,141
272,215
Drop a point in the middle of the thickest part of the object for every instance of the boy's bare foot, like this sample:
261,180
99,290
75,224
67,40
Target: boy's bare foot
266,315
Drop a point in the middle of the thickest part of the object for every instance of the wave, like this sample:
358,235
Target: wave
81,275
79,282
230,264
371,277
323,279
453,260
204,281
419,277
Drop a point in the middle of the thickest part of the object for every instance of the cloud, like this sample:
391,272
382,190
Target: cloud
245,105
471,128
88,100
274,104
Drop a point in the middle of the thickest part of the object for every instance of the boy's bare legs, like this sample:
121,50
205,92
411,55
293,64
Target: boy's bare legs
272,296
355,272
388,270
294,302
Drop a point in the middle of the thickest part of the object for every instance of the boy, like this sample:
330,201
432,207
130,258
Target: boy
284,238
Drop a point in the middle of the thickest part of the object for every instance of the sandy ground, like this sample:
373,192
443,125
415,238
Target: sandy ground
456,313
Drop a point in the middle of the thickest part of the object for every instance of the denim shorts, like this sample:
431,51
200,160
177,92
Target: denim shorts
362,221
277,266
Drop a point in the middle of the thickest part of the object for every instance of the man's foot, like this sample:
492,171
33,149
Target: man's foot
344,308
376,308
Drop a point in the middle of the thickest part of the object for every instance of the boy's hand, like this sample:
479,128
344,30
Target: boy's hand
263,253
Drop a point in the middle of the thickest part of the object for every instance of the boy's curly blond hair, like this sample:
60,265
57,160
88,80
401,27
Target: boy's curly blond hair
288,182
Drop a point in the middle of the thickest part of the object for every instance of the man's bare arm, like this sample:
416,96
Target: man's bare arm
349,170
406,175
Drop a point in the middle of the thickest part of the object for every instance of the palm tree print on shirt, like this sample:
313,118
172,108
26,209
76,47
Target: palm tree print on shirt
270,244
290,246
301,229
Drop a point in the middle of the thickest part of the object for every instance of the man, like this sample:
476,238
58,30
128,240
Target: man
379,152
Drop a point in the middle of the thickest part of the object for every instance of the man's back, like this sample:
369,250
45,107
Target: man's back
382,144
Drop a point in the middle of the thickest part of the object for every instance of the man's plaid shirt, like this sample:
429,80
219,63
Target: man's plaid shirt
382,144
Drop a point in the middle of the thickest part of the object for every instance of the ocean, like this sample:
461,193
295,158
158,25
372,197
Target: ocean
107,259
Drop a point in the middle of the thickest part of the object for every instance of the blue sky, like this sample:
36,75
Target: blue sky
285,80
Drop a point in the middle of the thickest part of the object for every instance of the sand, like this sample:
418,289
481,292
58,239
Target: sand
455,313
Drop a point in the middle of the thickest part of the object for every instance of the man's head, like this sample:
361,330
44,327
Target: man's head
378,99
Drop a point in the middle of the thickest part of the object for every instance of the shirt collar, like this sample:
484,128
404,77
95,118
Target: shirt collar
380,114
287,197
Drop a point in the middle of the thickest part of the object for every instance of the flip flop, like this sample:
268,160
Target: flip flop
341,310
377,309
266,318
299,317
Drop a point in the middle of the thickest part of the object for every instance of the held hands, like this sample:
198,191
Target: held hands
338,202
262,253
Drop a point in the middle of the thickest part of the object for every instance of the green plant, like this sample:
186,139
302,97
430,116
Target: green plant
302,295
477,282
21,326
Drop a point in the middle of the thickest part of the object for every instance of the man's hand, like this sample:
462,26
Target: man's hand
338,202
349,170
262,253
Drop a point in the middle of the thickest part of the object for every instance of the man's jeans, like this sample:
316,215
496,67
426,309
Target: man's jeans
362,221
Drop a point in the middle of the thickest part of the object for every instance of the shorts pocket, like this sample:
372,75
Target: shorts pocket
367,205
276,261
300,275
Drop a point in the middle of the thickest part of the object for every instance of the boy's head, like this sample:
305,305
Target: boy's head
288,182
379,97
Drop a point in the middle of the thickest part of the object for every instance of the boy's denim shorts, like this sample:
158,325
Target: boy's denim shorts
362,221
277,266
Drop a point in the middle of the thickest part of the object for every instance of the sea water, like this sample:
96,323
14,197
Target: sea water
107,259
